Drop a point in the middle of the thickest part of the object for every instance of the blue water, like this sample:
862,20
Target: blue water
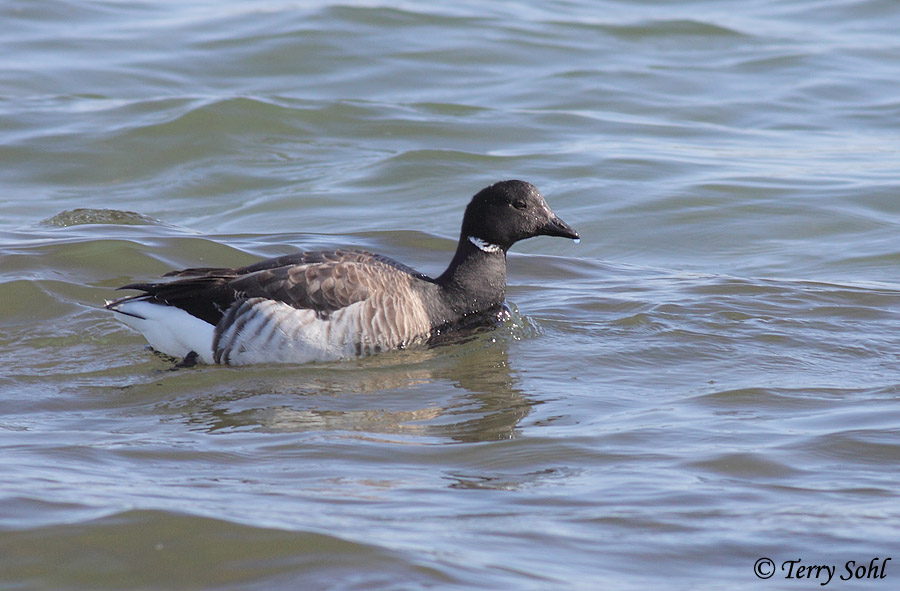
707,379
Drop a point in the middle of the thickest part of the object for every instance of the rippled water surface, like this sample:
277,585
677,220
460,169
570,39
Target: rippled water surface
711,377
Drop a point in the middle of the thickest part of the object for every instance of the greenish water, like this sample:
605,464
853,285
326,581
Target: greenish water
709,378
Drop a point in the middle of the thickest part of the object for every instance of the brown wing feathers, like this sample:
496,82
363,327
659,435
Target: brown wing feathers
323,287
205,297
320,281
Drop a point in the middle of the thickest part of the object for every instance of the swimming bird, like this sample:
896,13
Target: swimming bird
329,305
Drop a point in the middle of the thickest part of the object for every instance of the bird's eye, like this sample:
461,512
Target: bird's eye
519,204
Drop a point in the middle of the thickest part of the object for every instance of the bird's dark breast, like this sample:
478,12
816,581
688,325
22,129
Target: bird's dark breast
465,328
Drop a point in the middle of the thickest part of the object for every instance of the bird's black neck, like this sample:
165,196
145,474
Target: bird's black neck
475,281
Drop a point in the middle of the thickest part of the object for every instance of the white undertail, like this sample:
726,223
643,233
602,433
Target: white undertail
168,329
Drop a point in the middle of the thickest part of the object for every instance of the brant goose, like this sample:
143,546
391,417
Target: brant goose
318,306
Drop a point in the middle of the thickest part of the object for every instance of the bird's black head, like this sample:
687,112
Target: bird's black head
509,211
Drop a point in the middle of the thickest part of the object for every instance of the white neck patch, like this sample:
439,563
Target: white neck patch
484,246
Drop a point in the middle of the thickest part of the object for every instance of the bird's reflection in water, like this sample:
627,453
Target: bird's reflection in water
464,392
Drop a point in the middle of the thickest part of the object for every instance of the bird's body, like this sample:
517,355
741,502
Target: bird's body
319,306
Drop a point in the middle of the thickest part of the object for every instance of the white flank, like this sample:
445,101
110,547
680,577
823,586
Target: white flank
168,329
278,333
